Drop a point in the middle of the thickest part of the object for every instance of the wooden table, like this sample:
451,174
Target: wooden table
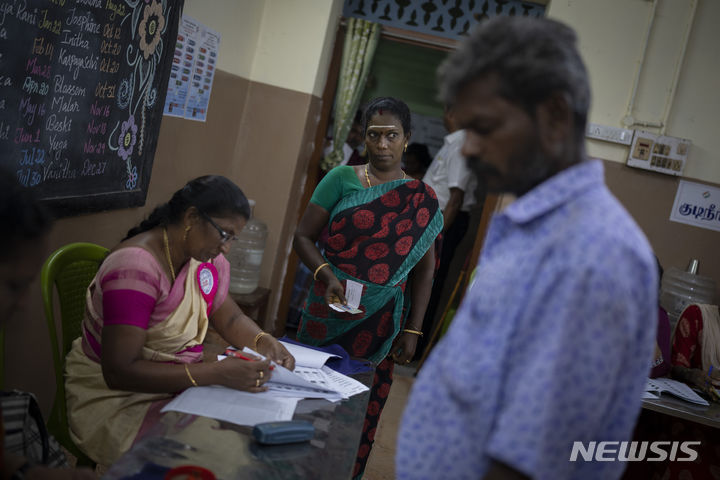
229,451
675,407
670,419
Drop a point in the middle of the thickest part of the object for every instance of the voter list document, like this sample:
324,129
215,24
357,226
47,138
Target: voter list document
242,408
308,380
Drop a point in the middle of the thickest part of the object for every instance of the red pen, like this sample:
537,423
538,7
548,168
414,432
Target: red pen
236,353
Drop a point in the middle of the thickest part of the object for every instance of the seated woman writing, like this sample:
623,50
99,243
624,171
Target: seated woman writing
695,353
147,313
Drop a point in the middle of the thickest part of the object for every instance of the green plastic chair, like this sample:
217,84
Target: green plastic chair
69,270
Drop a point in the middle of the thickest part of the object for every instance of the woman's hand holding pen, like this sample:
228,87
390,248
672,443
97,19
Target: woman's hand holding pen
240,374
699,379
711,382
714,376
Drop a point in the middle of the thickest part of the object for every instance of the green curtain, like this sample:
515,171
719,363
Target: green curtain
358,51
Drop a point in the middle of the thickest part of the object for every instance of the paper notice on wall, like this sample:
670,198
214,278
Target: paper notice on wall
192,71
203,74
182,67
697,204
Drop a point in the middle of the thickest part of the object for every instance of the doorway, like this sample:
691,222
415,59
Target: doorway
404,66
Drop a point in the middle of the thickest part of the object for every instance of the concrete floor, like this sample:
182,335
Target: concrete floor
381,464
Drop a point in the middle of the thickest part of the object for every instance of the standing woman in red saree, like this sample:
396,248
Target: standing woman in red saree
382,226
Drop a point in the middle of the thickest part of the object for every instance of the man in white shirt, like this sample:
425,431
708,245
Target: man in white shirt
454,185
449,175
351,156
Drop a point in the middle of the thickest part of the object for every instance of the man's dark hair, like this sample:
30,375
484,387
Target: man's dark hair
421,152
532,57
23,217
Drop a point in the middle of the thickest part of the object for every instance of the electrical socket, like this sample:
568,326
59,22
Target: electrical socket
660,153
607,133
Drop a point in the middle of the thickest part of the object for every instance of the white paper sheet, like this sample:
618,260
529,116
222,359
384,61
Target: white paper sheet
343,384
679,389
353,294
307,357
234,406
280,390
312,382
304,382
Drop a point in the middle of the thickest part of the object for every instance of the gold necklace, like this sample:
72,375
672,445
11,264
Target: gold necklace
367,177
167,253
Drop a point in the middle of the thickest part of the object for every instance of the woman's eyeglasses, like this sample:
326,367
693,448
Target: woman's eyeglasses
224,236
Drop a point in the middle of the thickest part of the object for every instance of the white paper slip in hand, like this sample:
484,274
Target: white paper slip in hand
353,294
339,307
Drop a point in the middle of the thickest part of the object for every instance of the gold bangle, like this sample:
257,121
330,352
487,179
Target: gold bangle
257,339
187,370
416,332
318,269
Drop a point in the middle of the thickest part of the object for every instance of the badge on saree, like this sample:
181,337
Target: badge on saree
207,278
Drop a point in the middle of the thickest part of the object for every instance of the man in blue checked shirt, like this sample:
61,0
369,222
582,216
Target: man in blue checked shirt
553,340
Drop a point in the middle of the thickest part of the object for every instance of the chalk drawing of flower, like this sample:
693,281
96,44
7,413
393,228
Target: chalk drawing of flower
132,178
151,26
124,94
128,137
151,97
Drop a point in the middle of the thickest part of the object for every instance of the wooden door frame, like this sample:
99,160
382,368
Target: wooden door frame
312,176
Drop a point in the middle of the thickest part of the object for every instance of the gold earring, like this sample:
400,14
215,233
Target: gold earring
405,150
185,235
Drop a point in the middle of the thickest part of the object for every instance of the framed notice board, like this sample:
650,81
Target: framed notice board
82,89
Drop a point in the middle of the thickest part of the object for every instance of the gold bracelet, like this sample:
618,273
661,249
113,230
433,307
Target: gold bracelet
416,332
257,339
187,370
318,269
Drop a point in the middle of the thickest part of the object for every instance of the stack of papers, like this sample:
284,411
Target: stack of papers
242,408
679,389
310,379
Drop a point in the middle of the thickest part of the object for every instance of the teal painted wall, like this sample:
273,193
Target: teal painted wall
407,72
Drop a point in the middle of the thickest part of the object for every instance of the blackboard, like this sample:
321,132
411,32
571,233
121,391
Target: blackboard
82,89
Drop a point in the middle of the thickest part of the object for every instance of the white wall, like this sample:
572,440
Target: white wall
295,44
284,43
238,21
611,35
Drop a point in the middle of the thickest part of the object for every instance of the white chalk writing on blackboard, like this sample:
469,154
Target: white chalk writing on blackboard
81,94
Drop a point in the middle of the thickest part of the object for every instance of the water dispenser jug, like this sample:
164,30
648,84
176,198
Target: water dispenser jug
246,255
681,288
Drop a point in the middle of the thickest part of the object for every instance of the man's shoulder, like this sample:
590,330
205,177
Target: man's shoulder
608,219
455,138
594,232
